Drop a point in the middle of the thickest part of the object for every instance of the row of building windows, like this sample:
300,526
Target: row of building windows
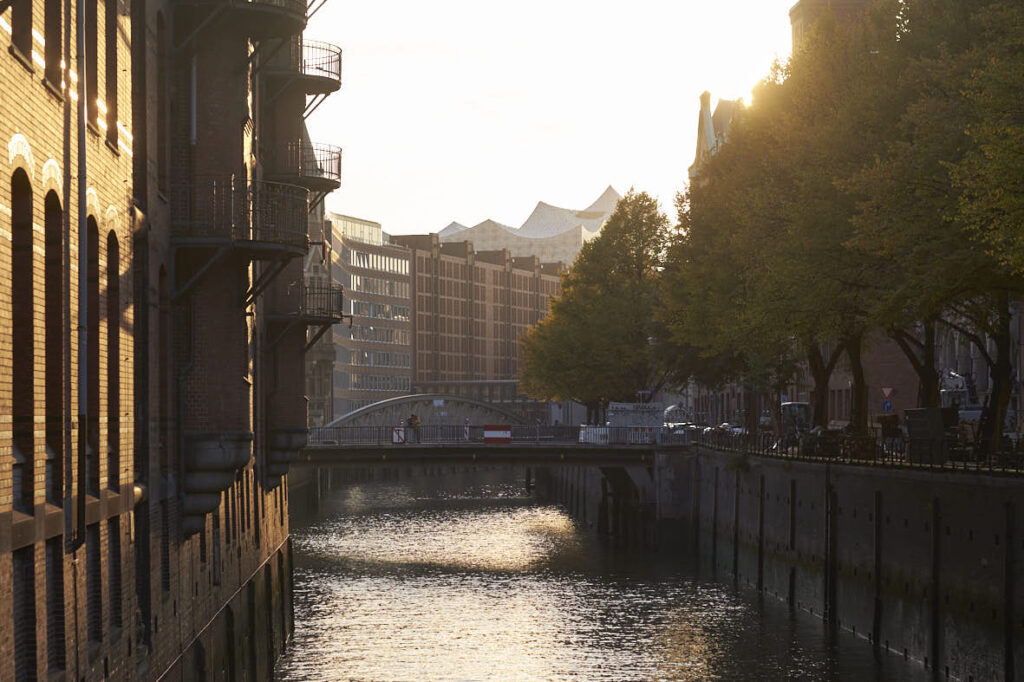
375,261
377,285
53,60
24,333
380,311
379,358
376,382
527,297
346,405
371,334
459,366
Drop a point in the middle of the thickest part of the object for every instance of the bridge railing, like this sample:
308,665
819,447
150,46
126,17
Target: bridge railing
938,454
454,434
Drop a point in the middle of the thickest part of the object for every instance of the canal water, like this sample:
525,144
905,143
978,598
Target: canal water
474,580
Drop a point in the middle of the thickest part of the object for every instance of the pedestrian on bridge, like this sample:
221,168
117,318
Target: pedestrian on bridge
414,425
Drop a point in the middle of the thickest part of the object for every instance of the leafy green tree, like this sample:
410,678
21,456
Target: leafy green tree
596,344
933,271
763,266
990,176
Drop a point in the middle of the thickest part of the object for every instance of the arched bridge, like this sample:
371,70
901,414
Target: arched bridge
495,444
431,408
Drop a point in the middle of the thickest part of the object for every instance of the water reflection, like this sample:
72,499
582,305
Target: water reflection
396,582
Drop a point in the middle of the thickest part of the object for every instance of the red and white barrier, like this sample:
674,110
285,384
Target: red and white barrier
496,434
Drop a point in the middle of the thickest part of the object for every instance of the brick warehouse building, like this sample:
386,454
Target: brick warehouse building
470,309
145,425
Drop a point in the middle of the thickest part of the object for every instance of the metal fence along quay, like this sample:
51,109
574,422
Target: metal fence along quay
843,449
939,453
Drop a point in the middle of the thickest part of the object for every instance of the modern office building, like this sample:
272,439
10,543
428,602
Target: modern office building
373,349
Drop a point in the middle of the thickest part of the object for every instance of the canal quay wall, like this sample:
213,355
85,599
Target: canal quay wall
923,564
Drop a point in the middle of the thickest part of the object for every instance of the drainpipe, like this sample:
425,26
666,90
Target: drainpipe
83,277
66,295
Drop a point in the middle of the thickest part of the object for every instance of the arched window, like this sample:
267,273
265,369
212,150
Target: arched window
113,362
163,419
23,332
116,612
199,662
230,645
164,371
92,326
53,282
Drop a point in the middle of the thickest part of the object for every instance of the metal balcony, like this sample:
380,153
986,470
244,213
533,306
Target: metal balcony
264,218
317,305
314,166
324,304
259,19
312,64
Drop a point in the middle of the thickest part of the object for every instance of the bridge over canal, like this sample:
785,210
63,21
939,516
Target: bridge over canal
466,444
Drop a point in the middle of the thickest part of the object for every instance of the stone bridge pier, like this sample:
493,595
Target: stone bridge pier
620,503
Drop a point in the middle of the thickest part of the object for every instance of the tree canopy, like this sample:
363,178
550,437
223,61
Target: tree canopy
876,185
595,345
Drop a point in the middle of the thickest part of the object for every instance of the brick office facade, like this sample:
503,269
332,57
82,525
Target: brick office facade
150,538
470,309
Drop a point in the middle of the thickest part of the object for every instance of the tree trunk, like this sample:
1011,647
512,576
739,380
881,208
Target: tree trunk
859,399
921,355
1001,371
751,415
821,372
928,389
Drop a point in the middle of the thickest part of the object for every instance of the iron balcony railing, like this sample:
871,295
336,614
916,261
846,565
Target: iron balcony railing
316,59
315,161
257,211
323,301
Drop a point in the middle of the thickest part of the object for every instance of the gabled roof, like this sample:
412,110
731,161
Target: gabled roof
452,228
713,129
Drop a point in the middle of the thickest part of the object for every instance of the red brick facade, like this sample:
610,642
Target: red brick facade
470,309
149,538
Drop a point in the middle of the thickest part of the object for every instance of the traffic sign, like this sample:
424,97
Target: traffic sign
398,435
887,406
886,391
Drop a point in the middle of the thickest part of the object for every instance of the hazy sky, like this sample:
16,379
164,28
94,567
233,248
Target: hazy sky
460,110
